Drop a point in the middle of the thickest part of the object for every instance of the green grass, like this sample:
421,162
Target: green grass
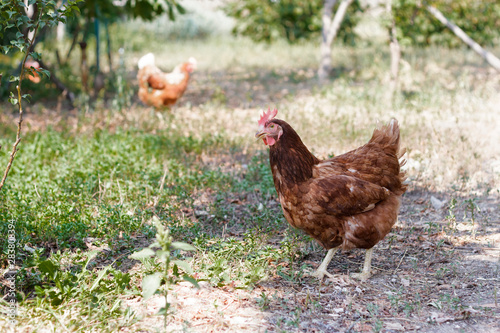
71,187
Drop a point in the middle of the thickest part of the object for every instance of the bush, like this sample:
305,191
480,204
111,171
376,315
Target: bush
294,20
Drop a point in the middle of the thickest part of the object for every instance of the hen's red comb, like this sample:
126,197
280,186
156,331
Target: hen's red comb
267,116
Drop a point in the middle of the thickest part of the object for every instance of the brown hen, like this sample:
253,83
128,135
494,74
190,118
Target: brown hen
349,201
160,89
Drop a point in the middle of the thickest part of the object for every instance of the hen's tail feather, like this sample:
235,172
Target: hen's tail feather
146,60
388,136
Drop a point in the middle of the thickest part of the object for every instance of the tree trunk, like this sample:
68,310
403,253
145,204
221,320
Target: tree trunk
108,44
60,31
490,58
326,58
329,32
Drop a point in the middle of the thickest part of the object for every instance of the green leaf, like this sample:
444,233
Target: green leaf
13,101
171,14
182,246
142,254
150,284
184,265
47,267
99,278
180,9
163,311
91,255
26,97
191,280
44,72
36,55
155,244
13,78
162,255
115,306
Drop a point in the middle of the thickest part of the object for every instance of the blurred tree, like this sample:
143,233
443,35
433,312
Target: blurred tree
293,20
329,31
478,19
394,47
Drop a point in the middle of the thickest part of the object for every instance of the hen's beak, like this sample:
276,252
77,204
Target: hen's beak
260,134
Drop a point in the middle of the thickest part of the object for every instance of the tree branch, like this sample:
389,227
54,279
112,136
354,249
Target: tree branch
489,57
337,20
20,107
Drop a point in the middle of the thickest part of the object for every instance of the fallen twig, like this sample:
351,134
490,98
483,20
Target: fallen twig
404,254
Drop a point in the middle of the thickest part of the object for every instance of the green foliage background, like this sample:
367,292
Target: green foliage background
294,20
479,19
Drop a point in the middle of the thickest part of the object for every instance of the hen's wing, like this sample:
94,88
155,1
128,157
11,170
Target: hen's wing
341,195
370,163
157,81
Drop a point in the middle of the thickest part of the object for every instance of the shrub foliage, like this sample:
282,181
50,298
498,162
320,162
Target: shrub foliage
293,20
479,19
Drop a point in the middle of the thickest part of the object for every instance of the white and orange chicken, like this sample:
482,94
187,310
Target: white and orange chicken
160,89
348,201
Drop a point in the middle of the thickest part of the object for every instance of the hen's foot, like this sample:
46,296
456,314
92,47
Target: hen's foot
320,274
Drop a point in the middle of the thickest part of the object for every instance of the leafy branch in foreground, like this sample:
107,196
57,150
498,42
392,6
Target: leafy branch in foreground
14,15
171,274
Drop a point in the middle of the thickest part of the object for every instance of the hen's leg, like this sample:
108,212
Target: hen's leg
365,274
321,271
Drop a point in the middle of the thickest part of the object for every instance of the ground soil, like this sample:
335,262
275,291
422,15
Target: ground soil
432,273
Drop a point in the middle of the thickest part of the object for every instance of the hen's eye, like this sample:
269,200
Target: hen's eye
271,126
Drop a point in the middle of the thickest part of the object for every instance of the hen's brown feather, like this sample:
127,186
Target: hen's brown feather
155,88
351,200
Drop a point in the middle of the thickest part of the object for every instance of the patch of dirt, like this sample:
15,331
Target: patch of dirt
432,273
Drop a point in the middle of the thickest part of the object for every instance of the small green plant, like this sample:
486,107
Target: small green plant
395,299
295,319
62,284
451,302
431,226
94,293
373,309
473,209
263,301
171,274
452,219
